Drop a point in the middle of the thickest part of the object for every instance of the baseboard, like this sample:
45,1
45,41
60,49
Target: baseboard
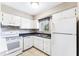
27,49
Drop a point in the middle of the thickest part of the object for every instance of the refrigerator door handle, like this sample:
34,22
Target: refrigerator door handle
63,33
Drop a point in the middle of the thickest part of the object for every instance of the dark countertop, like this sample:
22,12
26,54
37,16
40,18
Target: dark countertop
43,35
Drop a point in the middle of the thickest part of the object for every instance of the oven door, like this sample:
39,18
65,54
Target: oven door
14,44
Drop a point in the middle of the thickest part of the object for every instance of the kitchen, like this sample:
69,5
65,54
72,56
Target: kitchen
38,28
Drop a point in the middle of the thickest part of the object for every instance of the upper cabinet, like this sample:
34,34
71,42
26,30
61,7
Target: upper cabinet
13,20
35,24
29,24
6,19
10,20
16,20
26,23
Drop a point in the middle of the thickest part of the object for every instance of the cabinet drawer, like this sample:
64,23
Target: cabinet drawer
47,46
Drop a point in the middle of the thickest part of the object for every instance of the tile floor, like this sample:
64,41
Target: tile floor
32,52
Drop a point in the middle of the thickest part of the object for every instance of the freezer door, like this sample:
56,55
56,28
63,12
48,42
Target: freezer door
63,45
64,22
66,25
65,14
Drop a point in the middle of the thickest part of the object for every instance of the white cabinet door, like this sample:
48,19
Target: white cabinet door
35,24
17,20
64,45
25,23
28,42
35,42
47,46
7,19
10,20
38,43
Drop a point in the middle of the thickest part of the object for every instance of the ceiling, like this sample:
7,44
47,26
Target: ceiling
27,7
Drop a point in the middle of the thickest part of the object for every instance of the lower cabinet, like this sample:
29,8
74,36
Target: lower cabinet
35,42
28,42
38,43
42,44
47,46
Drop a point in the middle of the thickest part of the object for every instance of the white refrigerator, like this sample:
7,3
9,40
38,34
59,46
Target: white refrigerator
64,33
